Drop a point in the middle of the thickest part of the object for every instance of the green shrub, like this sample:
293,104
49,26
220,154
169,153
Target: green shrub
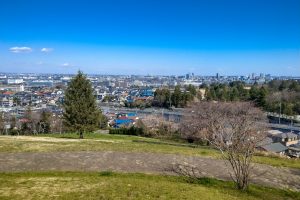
106,173
127,131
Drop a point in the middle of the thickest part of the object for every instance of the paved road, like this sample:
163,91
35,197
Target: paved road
141,162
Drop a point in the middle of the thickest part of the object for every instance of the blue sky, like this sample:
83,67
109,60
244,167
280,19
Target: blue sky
231,37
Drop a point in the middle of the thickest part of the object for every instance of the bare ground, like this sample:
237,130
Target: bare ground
141,162
51,139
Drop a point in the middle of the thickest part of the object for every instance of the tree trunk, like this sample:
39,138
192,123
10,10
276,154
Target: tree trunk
81,135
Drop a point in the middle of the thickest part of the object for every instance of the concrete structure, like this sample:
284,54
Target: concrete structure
14,88
14,81
286,139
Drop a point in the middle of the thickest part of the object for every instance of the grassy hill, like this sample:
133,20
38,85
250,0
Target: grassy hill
108,185
105,142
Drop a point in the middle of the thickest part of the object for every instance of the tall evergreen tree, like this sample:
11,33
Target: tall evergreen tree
176,96
254,93
44,123
262,94
192,90
80,110
234,95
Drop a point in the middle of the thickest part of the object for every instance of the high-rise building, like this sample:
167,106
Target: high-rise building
261,75
187,76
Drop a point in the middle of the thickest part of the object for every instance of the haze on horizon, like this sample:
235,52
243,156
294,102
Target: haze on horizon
157,37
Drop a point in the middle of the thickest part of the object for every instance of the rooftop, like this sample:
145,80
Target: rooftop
274,147
286,135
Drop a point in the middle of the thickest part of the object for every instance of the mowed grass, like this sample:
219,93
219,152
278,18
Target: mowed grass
98,142
109,185
124,143
278,162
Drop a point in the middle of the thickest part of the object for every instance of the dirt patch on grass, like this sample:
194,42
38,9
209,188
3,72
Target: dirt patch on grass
140,162
52,139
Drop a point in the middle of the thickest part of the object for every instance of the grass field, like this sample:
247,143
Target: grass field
108,185
98,142
105,142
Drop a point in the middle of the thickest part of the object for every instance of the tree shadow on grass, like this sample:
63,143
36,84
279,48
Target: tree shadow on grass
191,174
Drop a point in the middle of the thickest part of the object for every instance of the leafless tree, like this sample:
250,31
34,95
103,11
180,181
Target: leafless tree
1,122
233,128
35,118
157,126
283,96
56,124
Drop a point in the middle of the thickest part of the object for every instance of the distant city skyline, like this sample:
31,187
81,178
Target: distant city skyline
192,75
153,37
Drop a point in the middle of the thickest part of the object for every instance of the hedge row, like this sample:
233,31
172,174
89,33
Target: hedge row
127,131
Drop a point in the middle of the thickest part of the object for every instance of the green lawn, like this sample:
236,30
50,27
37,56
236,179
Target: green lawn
105,142
108,185
100,143
278,162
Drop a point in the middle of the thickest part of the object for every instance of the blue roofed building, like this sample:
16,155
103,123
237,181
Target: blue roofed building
146,93
122,122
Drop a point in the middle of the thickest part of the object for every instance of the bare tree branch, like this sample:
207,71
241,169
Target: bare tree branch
233,128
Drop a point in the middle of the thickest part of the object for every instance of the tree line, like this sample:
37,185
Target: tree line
276,96
165,98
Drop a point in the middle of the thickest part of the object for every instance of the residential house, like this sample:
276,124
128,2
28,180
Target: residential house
6,101
294,150
286,139
274,148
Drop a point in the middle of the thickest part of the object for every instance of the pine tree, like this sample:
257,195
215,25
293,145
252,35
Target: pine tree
192,90
80,110
254,93
262,94
44,123
176,96
234,95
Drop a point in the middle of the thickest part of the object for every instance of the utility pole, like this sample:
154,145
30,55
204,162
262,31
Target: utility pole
60,125
279,112
170,93
170,99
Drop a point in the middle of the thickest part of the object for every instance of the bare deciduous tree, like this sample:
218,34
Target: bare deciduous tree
1,122
56,124
233,128
158,126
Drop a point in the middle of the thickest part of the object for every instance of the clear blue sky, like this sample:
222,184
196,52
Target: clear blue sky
230,37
